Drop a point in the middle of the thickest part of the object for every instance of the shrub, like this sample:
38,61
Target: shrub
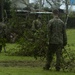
33,44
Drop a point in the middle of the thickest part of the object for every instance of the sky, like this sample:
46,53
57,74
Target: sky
62,6
31,1
46,4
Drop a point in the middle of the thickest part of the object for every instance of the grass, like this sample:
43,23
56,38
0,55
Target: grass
11,48
4,57
71,36
28,70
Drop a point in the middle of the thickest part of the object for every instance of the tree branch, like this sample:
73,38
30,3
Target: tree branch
23,2
49,2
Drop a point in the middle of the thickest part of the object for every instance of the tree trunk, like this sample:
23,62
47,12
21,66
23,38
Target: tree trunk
66,3
1,10
66,6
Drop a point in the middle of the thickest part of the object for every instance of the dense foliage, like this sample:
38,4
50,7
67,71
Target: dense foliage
35,44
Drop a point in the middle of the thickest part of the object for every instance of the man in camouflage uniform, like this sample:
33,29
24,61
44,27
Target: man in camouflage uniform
36,30
36,24
2,36
57,39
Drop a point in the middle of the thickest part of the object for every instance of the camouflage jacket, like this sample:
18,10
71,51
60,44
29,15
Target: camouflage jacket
36,25
57,31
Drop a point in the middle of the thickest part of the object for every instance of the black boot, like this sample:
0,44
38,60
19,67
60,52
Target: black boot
0,48
46,67
57,68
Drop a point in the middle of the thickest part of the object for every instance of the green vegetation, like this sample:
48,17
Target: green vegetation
30,71
71,36
26,65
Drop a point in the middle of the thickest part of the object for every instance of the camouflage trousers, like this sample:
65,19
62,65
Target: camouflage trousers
54,49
